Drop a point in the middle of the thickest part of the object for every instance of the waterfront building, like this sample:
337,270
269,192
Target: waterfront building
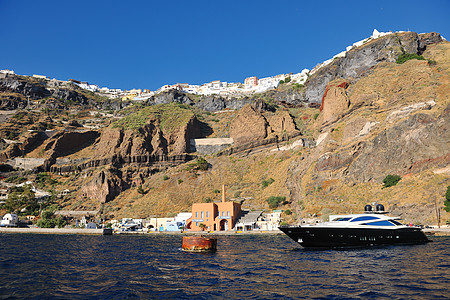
220,216
183,217
9,220
249,220
271,221
157,224
174,226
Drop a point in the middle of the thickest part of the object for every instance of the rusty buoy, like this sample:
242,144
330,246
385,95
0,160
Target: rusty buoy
199,244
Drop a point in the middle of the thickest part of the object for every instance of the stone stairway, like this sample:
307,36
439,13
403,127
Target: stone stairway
248,217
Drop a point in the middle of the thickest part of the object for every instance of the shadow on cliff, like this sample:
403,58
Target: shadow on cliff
205,129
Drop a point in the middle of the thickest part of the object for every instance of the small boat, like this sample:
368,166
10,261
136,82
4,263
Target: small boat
107,231
354,230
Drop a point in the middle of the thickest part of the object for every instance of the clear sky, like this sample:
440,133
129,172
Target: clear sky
145,44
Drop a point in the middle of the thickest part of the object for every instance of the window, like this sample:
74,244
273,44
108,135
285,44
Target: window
228,213
202,215
223,214
207,214
380,223
196,214
341,219
364,218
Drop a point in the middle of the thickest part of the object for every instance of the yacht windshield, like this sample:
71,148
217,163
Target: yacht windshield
396,222
341,219
380,223
364,218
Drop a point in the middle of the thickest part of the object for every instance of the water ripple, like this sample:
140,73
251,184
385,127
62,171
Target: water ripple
244,267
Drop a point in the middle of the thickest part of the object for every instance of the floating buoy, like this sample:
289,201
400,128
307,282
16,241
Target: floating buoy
199,244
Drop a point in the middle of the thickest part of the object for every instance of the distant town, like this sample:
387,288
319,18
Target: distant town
250,85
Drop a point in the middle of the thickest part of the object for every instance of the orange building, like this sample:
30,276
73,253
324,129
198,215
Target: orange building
251,81
219,216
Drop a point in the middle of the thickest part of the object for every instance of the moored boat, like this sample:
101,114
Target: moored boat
353,230
107,231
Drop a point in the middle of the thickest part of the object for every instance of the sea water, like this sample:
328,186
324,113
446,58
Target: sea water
153,266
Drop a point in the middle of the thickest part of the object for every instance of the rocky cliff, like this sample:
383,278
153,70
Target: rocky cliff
360,60
17,92
209,103
251,125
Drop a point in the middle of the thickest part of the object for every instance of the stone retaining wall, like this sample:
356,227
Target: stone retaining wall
210,145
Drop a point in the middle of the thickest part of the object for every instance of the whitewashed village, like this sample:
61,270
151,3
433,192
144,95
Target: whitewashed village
251,84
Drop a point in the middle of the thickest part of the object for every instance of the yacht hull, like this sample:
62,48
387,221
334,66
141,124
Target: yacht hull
312,236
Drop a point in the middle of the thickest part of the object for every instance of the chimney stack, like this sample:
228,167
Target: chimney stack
223,193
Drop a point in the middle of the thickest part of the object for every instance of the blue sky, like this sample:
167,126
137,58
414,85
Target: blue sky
145,44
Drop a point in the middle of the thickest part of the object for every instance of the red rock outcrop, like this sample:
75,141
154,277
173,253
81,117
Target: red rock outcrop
334,101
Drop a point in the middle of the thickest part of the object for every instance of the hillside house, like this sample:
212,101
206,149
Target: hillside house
250,82
40,76
11,72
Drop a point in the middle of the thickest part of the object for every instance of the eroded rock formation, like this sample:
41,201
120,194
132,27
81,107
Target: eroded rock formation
249,125
104,185
334,101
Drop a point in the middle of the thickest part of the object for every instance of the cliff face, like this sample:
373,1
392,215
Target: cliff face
360,60
248,126
165,132
148,140
16,92
392,120
209,103
12,101
251,125
103,186
33,89
170,96
420,142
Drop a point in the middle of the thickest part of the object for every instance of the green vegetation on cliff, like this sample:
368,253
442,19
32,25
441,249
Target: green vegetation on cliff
275,201
408,56
391,180
447,200
170,117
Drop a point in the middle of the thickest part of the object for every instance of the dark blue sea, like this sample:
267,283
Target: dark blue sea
34,266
